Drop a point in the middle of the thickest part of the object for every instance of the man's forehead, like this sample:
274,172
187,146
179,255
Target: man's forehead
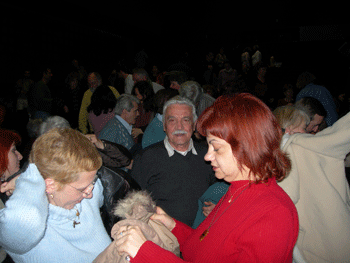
178,109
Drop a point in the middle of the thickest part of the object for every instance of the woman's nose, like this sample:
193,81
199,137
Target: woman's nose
208,156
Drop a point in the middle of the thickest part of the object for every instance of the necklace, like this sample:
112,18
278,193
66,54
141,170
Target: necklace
75,222
206,232
76,214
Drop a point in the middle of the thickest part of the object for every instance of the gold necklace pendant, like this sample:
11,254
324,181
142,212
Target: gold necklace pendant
214,219
203,235
230,199
75,223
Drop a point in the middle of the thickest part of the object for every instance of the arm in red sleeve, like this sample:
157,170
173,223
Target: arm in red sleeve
181,231
151,252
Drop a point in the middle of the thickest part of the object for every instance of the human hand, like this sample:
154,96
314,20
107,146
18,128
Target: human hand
9,187
130,165
97,142
164,218
207,208
129,240
136,132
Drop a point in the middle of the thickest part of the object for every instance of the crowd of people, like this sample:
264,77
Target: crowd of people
233,157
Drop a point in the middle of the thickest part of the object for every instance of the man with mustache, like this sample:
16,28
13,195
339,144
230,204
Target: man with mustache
174,170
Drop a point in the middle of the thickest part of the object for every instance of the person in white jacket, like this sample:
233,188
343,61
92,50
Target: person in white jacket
318,187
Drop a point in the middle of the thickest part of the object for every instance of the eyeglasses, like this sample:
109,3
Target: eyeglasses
87,191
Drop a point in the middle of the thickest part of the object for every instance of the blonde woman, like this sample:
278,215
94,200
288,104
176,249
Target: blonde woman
291,120
54,212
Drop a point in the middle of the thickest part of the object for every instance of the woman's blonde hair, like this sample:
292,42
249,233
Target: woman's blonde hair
62,153
290,117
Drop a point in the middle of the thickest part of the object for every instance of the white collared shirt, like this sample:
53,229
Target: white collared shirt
125,124
170,149
159,117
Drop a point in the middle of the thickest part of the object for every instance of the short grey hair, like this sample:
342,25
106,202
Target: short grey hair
53,122
182,101
124,102
191,90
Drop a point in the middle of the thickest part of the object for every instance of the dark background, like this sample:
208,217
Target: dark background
99,35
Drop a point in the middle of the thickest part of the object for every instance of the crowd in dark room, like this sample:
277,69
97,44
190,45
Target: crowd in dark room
273,71
219,69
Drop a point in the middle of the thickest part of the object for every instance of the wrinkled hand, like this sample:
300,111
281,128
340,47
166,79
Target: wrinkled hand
97,142
136,132
9,187
164,218
207,208
129,240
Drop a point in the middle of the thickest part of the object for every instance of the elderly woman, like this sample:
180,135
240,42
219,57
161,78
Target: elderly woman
54,212
255,221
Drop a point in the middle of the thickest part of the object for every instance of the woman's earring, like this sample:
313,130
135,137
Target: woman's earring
51,195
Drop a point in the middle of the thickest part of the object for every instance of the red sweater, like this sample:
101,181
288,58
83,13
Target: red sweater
261,225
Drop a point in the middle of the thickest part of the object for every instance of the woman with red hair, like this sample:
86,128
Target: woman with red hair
255,221
9,160
9,166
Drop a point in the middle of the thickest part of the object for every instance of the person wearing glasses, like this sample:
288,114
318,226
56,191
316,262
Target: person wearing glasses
53,214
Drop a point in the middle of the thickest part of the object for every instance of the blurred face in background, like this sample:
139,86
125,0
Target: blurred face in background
314,125
130,116
14,158
175,85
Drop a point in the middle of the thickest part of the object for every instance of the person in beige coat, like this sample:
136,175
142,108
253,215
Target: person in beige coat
318,187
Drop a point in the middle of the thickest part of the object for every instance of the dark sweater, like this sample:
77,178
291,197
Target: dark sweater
39,98
177,182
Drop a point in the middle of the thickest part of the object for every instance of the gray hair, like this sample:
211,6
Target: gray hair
124,102
53,122
182,101
191,90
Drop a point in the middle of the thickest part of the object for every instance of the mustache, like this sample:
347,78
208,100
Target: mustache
179,132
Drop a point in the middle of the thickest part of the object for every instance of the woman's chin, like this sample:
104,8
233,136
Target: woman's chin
219,175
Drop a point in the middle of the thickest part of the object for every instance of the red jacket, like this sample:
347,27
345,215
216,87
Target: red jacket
261,225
